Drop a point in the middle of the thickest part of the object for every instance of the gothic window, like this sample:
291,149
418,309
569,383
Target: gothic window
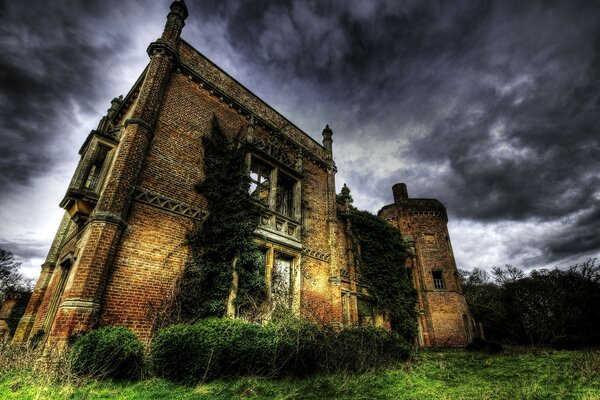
438,279
274,188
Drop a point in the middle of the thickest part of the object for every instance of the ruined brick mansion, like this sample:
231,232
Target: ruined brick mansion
122,241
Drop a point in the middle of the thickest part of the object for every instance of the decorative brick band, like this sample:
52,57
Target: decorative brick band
319,255
166,203
81,304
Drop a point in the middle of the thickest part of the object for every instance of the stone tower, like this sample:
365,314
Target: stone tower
444,317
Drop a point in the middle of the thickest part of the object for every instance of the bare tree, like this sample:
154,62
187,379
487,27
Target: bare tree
507,274
10,278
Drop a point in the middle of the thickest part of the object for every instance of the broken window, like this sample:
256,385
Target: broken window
438,279
273,187
260,177
281,280
95,171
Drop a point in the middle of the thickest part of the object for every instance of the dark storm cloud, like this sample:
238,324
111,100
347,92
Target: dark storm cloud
504,97
492,107
51,69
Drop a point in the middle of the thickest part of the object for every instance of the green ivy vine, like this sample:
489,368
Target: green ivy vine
382,255
221,245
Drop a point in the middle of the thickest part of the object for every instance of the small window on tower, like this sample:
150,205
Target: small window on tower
438,279
95,171
429,240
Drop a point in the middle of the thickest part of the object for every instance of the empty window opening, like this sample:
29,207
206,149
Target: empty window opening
285,196
93,176
438,279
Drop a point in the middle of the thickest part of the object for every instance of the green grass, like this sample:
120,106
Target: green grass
446,374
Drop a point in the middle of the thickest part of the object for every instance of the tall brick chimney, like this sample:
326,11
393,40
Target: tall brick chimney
400,192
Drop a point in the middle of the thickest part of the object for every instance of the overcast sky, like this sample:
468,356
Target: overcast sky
491,107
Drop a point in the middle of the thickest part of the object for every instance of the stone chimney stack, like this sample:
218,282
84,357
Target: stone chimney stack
400,192
327,141
175,22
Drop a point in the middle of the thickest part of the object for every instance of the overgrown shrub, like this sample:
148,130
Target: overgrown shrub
360,349
111,352
302,346
216,347
212,347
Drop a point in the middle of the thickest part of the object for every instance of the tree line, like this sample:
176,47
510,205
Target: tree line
559,307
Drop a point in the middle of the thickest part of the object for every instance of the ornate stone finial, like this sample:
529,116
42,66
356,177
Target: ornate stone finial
345,197
327,141
178,7
106,123
175,22
114,106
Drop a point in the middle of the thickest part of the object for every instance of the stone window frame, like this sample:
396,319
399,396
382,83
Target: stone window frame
438,283
277,170
430,245
270,251
86,164
61,276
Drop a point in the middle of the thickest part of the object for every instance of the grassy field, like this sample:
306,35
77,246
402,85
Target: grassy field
446,374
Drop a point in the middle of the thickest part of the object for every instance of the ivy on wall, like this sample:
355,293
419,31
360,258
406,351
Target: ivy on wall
381,254
225,268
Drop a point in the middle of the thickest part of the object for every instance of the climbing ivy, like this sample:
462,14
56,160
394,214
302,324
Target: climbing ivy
221,244
382,253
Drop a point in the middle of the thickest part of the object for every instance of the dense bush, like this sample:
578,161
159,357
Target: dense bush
113,352
216,347
212,347
363,348
302,346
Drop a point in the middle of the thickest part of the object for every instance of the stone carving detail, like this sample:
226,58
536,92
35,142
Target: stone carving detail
273,148
319,255
165,203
